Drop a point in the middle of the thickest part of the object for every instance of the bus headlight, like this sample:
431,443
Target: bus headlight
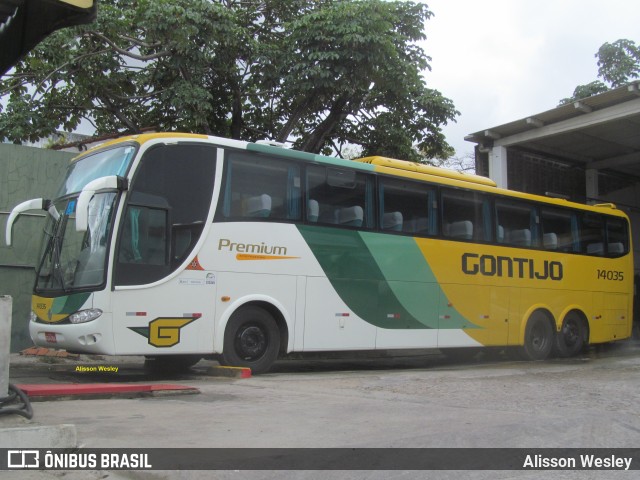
33,317
84,316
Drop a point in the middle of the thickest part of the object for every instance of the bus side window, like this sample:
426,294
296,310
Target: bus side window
144,236
260,187
557,231
341,197
406,206
617,237
463,215
517,224
592,239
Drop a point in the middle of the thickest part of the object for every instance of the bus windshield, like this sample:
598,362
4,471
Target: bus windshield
114,161
72,260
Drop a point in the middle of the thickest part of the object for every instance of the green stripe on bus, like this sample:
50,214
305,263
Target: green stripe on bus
69,304
411,279
384,279
357,278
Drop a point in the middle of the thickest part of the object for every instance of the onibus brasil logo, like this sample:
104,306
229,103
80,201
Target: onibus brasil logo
164,332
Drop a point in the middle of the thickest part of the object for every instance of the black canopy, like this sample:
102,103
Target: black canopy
25,23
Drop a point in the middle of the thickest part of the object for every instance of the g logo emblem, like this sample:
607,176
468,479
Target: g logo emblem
163,332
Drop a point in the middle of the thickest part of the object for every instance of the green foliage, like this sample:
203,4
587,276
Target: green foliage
618,64
584,91
323,74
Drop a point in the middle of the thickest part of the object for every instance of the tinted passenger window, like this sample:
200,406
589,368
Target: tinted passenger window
559,230
516,224
465,216
407,207
144,236
617,237
592,234
260,187
340,197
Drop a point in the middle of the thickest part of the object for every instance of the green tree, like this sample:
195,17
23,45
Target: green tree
618,64
321,74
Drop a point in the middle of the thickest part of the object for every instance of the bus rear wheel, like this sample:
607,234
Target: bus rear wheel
570,340
538,337
251,339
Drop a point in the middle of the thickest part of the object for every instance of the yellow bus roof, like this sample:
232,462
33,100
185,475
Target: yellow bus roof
428,169
140,138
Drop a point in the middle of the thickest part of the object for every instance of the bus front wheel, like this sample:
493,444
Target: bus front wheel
538,337
251,339
570,340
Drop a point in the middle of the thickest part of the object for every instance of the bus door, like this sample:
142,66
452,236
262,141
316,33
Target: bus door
163,296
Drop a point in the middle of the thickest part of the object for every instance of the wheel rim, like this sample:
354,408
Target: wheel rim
251,342
570,333
539,338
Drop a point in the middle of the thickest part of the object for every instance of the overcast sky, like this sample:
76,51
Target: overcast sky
503,60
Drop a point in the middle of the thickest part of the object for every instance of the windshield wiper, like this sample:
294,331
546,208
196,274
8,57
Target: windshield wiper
52,251
57,268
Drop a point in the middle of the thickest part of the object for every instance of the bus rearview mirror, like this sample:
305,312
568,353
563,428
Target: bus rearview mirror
103,183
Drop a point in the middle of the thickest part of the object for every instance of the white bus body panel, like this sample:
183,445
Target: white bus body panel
147,320
330,324
94,337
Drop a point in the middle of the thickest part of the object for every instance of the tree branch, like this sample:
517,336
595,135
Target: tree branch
138,97
127,53
337,114
117,112
140,43
76,59
285,131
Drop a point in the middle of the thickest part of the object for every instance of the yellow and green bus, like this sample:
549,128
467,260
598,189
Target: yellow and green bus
178,246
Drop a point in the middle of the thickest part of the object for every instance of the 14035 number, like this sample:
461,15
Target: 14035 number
613,275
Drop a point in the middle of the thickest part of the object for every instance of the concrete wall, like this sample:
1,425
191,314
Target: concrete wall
25,173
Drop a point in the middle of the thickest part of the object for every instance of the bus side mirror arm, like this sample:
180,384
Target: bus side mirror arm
103,183
33,204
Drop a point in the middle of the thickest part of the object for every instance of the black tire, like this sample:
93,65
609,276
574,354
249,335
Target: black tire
538,337
170,363
635,330
570,340
251,339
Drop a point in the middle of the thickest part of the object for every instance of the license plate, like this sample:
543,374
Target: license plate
50,337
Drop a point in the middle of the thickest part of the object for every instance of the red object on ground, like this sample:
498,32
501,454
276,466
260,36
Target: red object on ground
73,389
47,352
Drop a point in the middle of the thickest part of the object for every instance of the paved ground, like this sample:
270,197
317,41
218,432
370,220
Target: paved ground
418,401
